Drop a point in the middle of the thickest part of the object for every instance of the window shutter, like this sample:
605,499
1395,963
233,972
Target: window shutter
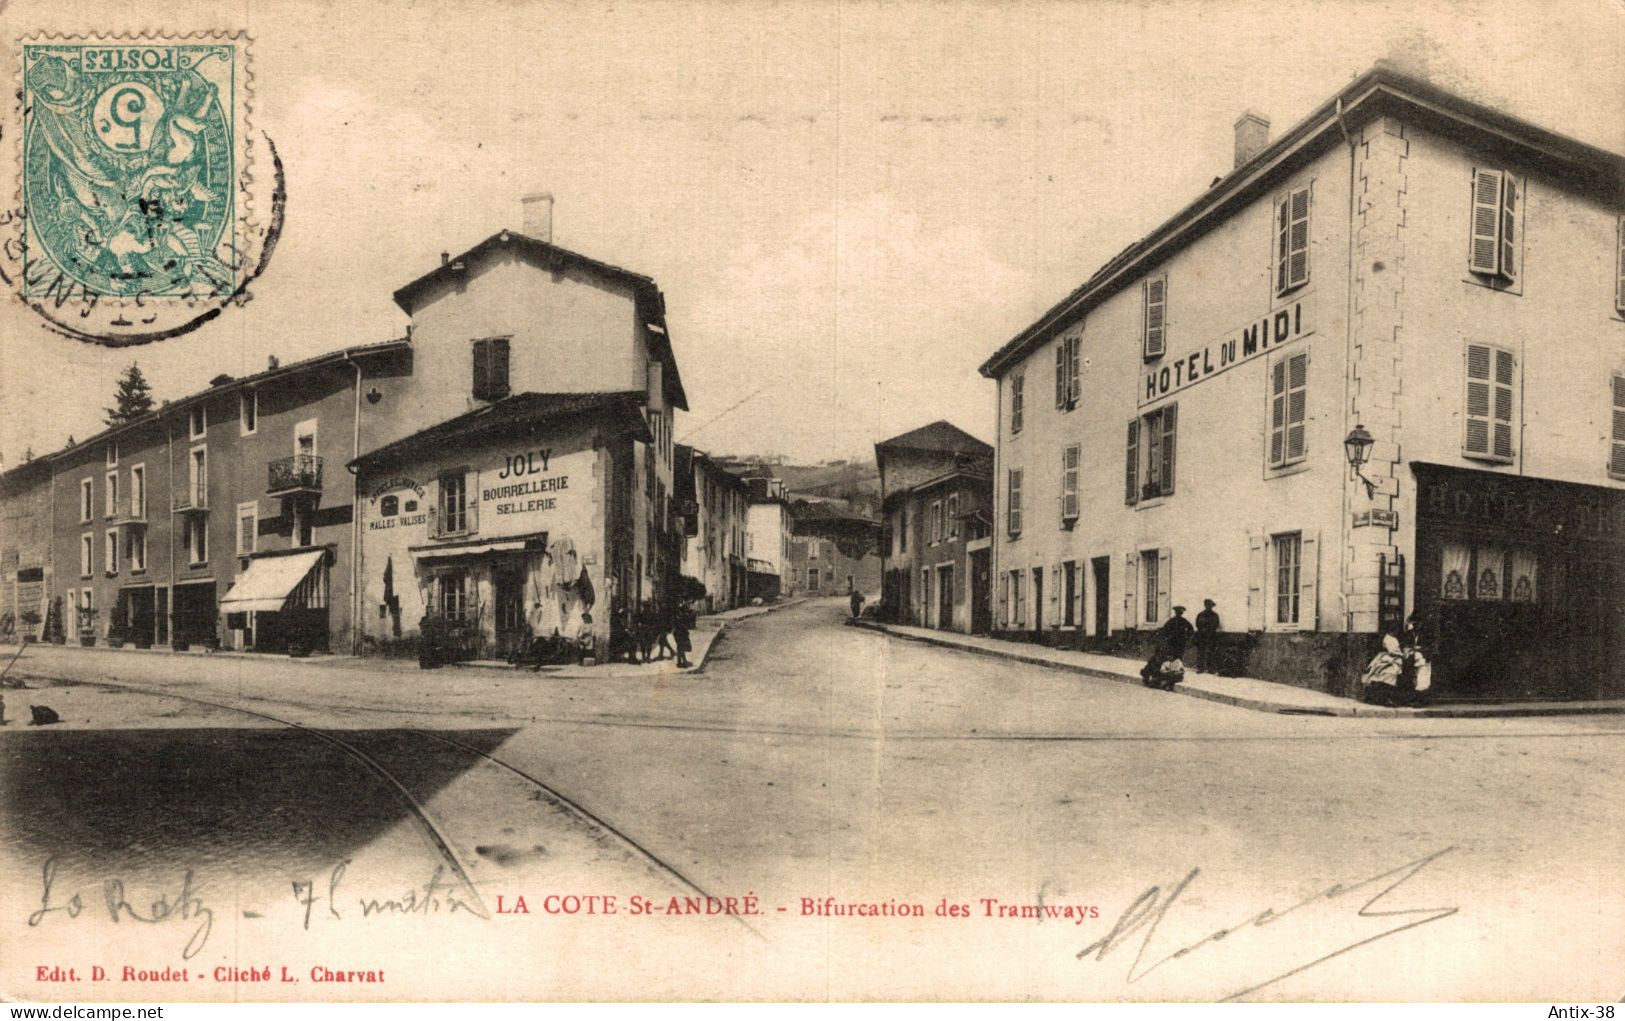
1298,241
1060,375
1074,371
1131,489
482,370
1478,401
1256,563
1069,482
1509,225
1278,414
1055,590
1165,558
1504,369
1131,568
1297,405
1486,220
499,368
1170,426
1309,580
1616,460
1619,266
1283,221
1081,578
1156,310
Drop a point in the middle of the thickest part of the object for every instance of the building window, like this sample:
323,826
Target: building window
1491,389
1289,407
1151,576
112,454
454,503
110,496
902,529
812,549
454,595
138,551
248,412
1067,373
199,479
389,506
87,555
1495,224
1292,241
112,552
1288,554
934,523
1071,577
491,369
138,491
1616,457
87,505
952,512
1619,271
812,579
1155,335
248,518
1013,510
1070,458
1019,601
198,422
1149,465
1018,386
197,539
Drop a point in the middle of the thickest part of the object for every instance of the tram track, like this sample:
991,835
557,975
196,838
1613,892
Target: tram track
434,833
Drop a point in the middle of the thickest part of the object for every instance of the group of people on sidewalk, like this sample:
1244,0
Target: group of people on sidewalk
648,631
1166,667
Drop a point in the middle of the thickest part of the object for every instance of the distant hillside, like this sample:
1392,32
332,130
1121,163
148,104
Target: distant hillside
855,483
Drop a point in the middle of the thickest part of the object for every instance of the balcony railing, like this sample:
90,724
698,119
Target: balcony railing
131,516
190,498
299,473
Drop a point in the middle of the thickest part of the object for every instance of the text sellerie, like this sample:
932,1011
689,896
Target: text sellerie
1264,334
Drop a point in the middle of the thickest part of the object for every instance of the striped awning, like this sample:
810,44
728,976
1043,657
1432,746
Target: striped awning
267,584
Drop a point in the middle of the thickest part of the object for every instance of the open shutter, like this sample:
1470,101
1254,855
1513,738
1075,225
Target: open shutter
1156,308
1504,372
1278,414
498,368
1170,426
1297,405
1074,372
1485,250
1256,565
1060,375
482,369
1165,561
1004,598
1509,226
1477,441
1309,581
1131,487
1055,593
1616,458
1080,581
1292,241
1283,221
1619,271
1131,570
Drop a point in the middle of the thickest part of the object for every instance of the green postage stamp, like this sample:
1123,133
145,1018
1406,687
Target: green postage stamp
137,188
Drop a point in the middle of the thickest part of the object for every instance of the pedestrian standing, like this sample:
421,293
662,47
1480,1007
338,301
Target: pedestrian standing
1172,640
682,621
1207,638
857,603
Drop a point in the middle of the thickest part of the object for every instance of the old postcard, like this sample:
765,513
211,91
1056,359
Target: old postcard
528,500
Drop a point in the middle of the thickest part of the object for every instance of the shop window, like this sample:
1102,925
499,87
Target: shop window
1489,574
454,595
1289,409
491,369
1493,246
1288,555
1292,241
1491,391
1149,471
1154,336
1018,400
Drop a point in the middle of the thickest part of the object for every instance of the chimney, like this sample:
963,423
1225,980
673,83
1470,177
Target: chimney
1252,135
538,218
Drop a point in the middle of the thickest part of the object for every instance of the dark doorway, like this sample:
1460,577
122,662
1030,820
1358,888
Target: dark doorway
1038,599
1069,592
945,598
160,612
1103,585
512,630
195,612
981,606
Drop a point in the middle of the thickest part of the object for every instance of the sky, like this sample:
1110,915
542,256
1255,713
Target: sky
848,206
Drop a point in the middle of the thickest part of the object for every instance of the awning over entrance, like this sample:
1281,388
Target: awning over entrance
480,547
268,582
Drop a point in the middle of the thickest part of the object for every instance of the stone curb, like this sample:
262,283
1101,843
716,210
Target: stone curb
1265,705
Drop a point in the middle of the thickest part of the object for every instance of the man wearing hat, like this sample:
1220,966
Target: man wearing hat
1172,638
1207,638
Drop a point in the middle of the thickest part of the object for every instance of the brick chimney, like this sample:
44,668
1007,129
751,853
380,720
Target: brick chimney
538,218
1252,135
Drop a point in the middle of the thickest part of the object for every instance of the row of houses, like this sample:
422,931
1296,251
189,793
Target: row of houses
1376,369
505,470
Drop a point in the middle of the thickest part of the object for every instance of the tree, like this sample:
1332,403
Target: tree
133,398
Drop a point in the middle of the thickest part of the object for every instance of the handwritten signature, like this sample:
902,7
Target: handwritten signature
428,898
1150,908
185,905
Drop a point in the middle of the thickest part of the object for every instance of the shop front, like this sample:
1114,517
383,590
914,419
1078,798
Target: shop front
279,604
1520,584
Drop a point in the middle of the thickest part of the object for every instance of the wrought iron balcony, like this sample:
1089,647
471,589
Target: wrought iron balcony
130,516
301,473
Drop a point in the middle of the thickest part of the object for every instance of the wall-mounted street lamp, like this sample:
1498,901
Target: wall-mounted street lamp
1358,447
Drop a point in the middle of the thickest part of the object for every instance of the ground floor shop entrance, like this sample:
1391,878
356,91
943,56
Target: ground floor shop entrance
194,614
1520,584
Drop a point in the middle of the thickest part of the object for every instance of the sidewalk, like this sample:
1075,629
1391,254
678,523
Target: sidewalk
1243,692
703,637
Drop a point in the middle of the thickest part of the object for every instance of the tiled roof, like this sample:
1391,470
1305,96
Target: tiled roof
516,416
